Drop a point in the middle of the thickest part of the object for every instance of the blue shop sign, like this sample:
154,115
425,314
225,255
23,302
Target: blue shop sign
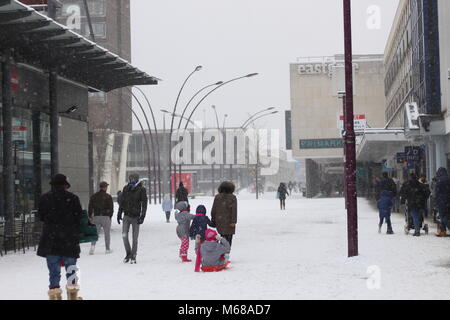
322,144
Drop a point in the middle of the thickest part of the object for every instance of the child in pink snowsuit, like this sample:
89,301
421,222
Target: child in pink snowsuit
183,218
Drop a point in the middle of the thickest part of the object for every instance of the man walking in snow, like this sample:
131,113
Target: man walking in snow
181,194
101,209
134,204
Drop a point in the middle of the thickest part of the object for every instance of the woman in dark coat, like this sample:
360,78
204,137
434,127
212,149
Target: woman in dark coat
282,192
224,211
61,213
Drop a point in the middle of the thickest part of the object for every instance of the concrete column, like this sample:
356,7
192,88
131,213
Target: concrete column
122,177
8,161
107,171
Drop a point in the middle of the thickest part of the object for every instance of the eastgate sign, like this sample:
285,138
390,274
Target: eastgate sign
320,68
315,68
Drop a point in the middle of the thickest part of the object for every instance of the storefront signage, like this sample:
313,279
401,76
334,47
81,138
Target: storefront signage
401,157
413,154
359,122
412,116
314,68
322,144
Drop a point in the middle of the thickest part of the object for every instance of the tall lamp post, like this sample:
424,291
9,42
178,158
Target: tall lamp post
198,68
157,140
211,92
153,147
187,106
349,138
244,126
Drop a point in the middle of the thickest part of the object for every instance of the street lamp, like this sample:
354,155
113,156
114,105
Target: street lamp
261,116
198,68
257,143
153,148
157,139
219,86
268,109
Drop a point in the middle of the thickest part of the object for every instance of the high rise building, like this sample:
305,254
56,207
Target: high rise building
110,117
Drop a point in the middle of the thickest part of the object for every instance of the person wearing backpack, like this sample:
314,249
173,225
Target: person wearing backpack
415,195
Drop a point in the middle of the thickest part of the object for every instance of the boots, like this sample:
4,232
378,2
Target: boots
55,294
91,251
72,292
390,231
127,258
184,258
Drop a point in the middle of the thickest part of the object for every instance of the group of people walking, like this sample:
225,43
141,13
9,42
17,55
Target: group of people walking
61,213
415,194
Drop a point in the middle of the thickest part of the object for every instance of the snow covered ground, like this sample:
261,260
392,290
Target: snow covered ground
299,253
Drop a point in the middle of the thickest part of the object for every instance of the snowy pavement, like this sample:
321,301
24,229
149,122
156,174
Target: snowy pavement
300,253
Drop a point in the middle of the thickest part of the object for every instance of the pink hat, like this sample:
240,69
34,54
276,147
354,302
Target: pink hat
210,235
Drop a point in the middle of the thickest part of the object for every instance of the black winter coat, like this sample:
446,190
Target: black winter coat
415,194
442,189
61,213
101,204
199,226
182,194
282,192
133,201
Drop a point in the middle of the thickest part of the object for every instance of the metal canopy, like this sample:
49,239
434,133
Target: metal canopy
43,43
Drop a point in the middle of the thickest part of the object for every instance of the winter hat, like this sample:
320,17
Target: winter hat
59,180
210,235
181,205
201,209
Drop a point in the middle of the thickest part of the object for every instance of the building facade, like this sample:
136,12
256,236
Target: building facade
110,118
317,111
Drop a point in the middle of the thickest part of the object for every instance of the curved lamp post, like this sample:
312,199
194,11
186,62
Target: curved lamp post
216,88
254,115
257,143
261,116
157,141
145,138
153,146
185,109
198,68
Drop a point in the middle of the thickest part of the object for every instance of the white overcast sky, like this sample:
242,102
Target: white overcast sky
230,38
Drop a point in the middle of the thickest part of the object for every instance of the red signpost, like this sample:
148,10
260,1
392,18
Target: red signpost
349,138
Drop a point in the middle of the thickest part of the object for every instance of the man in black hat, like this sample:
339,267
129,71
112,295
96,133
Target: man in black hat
134,204
101,209
61,212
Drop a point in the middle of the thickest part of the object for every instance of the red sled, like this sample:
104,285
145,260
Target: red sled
216,268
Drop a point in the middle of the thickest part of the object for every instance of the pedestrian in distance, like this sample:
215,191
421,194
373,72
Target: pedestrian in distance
167,207
414,195
442,194
184,219
282,192
182,193
426,185
385,204
101,210
224,211
134,207
61,213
